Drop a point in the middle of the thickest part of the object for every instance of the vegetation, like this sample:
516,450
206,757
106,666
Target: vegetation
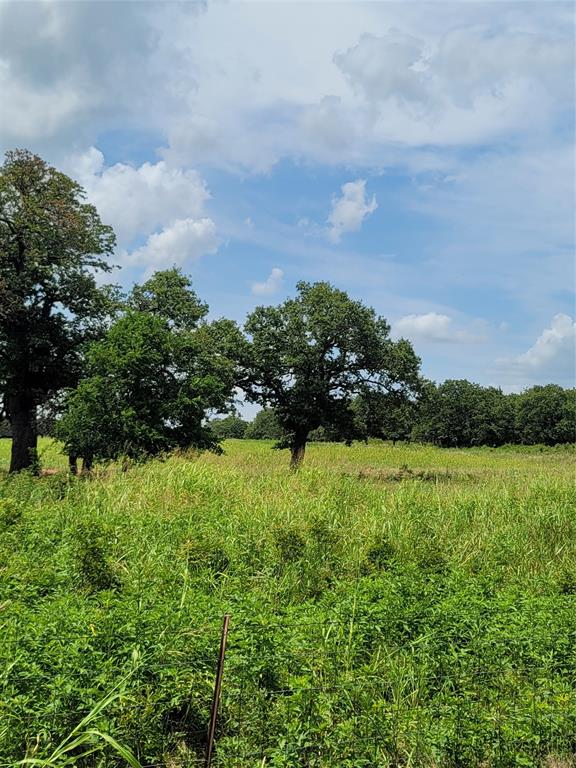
151,380
231,426
546,415
456,413
51,242
391,606
460,414
140,375
264,426
309,357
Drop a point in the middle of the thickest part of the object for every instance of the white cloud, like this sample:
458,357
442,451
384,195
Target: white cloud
66,71
272,284
219,81
350,210
433,326
424,76
136,201
380,68
471,84
182,241
552,357
153,201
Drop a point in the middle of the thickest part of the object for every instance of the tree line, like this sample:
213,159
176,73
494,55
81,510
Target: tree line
140,374
453,414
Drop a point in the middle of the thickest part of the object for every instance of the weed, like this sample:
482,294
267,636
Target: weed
204,554
290,543
93,562
10,513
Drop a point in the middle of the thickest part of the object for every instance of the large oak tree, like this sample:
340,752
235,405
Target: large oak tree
310,356
51,243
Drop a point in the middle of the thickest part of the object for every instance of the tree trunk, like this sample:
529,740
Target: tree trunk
297,450
22,416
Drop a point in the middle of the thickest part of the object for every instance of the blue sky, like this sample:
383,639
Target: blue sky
418,155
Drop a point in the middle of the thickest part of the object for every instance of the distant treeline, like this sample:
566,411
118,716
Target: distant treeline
456,413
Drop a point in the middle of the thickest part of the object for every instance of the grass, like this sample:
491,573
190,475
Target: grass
391,606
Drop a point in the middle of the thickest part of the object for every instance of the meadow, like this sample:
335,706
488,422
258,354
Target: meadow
390,606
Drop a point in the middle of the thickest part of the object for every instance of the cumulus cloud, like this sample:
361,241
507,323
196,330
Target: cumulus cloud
152,201
182,241
552,357
162,204
139,200
271,285
433,326
350,209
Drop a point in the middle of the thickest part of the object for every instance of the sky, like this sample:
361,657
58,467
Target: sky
420,156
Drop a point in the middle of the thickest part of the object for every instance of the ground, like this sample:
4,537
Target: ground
390,606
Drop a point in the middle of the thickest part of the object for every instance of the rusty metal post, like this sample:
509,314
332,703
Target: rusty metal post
217,689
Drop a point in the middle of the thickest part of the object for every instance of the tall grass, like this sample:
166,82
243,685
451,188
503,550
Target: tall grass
391,605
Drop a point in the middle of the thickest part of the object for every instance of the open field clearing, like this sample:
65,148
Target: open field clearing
390,606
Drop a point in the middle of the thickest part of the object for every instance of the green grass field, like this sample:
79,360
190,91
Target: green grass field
390,606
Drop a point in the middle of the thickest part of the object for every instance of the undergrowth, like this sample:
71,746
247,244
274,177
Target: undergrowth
391,606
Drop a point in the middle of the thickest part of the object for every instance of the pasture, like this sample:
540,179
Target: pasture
390,606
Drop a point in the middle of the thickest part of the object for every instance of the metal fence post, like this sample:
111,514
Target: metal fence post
217,689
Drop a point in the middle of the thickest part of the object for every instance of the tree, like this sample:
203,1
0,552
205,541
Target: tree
386,416
547,414
51,242
264,426
152,380
460,414
310,356
231,426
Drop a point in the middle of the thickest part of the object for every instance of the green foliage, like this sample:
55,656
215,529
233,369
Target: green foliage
51,243
309,357
375,622
92,559
546,415
231,426
10,513
385,415
85,741
290,543
151,381
380,555
264,426
169,296
460,414
205,554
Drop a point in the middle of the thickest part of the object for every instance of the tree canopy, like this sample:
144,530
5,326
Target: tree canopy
231,426
264,426
459,414
308,357
151,381
51,244
546,414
